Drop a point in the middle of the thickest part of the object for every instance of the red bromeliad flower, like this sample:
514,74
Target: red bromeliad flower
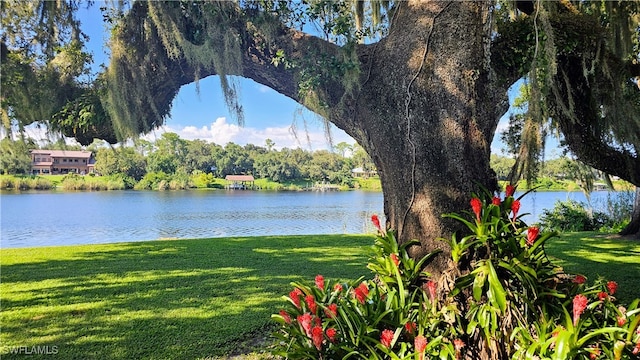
305,321
320,282
510,190
476,205
612,286
432,287
317,335
515,207
311,303
361,292
337,287
532,235
458,344
420,342
386,338
331,310
285,316
376,222
621,320
295,297
410,327
395,259
496,201
594,353
579,279
602,296
331,334
579,304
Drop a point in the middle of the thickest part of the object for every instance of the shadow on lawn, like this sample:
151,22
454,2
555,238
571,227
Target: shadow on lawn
181,299
595,255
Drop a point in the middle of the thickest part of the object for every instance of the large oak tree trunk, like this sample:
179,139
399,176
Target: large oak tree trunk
426,114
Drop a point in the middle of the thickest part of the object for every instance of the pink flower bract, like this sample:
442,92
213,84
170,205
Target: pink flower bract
420,342
311,303
361,292
320,282
395,259
386,338
515,207
476,206
510,190
295,297
612,286
285,316
496,201
410,327
432,287
331,334
579,279
532,235
305,321
376,222
579,304
317,335
337,287
602,296
331,310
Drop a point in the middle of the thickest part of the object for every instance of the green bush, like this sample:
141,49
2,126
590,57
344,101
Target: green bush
571,216
502,297
574,216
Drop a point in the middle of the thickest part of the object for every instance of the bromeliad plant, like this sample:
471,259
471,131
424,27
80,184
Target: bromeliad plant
388,316
507,301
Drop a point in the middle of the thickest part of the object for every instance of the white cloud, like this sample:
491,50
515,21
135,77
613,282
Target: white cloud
222,132
263,88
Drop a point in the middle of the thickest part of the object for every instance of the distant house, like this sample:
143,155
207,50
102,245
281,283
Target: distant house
239,182
62,162
360,172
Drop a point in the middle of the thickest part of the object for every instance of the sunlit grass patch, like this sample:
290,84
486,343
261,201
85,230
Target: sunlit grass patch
181,299
595,254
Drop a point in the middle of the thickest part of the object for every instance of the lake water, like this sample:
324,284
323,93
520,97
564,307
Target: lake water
43,218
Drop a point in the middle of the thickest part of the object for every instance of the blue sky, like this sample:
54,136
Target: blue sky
203,114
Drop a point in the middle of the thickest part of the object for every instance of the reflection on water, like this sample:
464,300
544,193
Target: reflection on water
63,218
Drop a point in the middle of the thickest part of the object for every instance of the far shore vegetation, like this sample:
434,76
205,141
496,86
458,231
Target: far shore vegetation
172,163
207,298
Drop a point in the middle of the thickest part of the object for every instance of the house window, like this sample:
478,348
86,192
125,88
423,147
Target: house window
76,160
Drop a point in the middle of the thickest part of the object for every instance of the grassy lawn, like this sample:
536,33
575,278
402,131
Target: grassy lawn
190,299
183,299
595,254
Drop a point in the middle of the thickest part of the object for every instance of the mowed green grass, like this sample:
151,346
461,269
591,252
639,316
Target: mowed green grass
180,299
596,255
191,299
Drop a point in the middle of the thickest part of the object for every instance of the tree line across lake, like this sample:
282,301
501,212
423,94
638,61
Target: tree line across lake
174,163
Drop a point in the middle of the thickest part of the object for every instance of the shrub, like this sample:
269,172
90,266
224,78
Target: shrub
569,215
573,216
502,298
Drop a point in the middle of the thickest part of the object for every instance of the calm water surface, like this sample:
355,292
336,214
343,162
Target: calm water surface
42,218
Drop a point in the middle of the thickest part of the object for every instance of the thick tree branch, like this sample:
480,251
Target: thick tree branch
162,75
